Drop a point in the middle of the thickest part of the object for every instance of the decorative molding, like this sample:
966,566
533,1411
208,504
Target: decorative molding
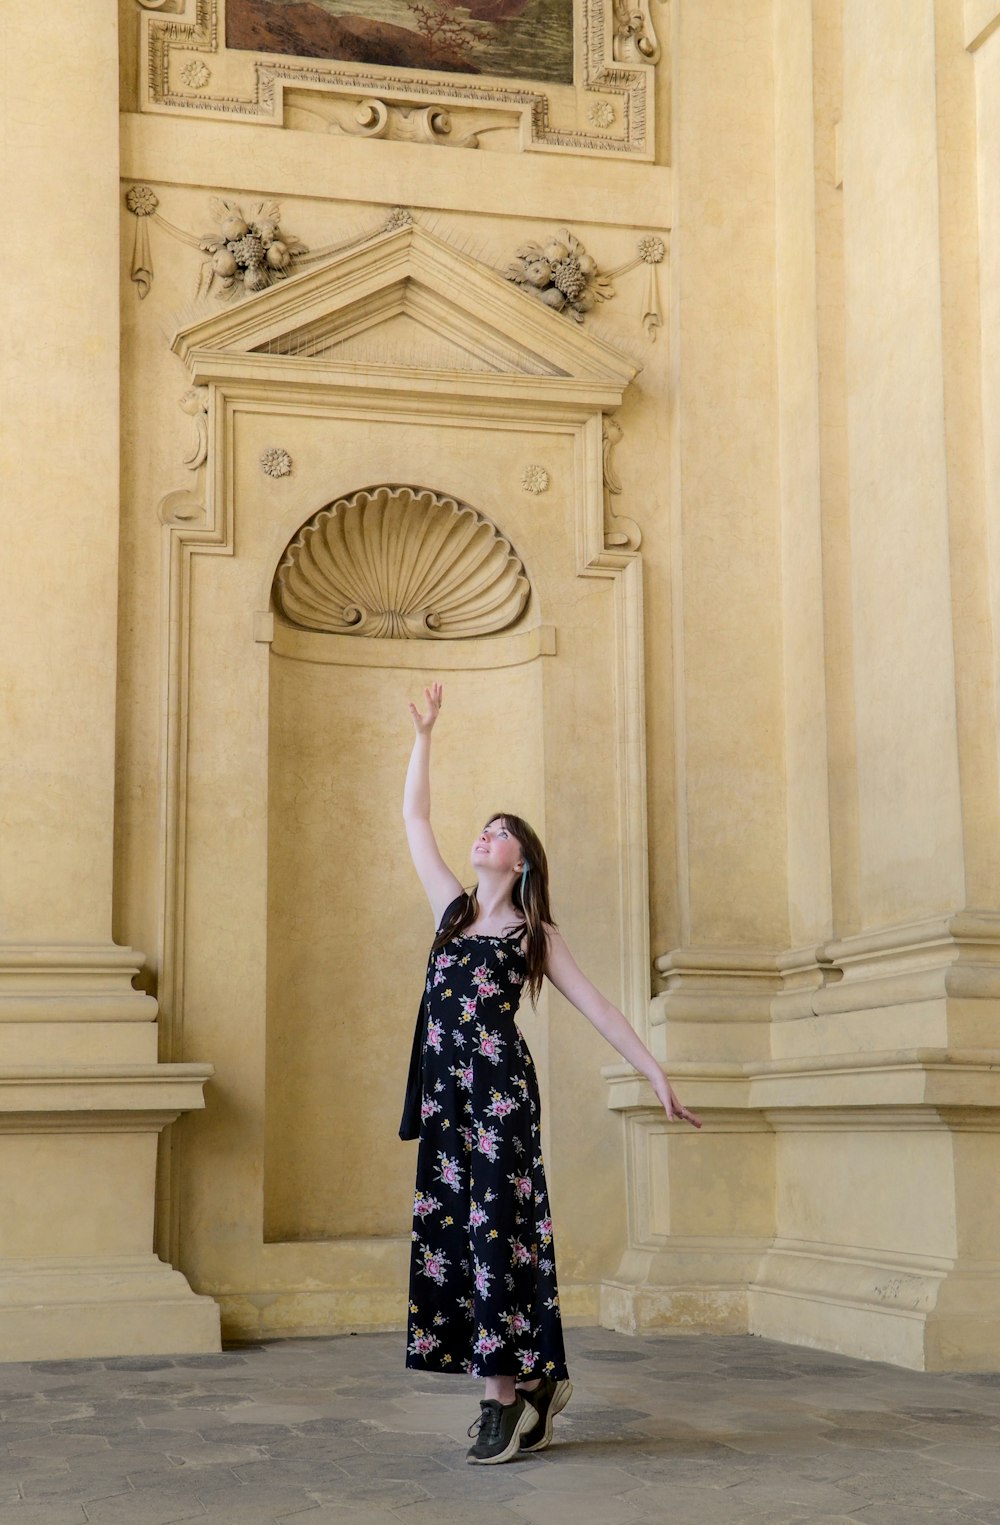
488,654
71,982
401,562
400,121
618,530
276,462
186,504
634,41
615,46
195,404
600,113
196,74
406,269
535,479
561,274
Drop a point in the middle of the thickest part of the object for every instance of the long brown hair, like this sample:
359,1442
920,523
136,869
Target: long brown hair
531,898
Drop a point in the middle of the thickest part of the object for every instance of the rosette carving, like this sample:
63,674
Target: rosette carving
401,562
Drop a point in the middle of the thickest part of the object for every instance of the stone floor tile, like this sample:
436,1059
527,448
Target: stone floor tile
566,1476
327,1515
465,1513
984,1458
381,1493
159,1507
983,1485
411,1467
268,1503
60,1445
195,1420
272,1413
565,1508
50,1513
71,1486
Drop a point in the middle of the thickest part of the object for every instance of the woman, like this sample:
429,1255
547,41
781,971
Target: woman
483,1295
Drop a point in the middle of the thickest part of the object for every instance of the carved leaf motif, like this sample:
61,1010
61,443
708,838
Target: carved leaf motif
401,562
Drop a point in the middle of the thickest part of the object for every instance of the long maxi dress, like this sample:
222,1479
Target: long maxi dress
483,1293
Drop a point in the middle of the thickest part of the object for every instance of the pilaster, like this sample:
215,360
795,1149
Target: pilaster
82,1097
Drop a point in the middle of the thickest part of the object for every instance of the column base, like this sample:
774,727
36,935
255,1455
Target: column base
56,1310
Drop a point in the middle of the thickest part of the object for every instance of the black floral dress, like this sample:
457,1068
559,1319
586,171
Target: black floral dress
483,1294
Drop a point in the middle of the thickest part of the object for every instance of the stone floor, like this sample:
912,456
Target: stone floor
715,1430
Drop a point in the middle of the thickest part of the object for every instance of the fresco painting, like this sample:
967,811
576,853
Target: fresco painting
517,39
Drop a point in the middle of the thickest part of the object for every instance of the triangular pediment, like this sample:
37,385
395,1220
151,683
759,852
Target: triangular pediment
401,302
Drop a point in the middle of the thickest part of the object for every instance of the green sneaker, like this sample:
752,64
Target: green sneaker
549,1398
500,1427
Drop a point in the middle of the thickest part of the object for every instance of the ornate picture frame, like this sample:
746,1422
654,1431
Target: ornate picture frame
607,109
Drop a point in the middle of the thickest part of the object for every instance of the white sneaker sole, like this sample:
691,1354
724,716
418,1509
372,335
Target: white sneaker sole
560,1398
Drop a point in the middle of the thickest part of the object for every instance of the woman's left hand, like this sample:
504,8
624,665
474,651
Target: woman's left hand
672,1106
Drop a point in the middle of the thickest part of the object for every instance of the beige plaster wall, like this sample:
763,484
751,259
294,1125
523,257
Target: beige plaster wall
809,452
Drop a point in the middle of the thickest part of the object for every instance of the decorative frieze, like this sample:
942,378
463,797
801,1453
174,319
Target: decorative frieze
401,562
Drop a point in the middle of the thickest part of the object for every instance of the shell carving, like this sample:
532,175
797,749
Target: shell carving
401,562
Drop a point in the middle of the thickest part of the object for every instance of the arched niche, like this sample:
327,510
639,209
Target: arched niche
377,594
548,710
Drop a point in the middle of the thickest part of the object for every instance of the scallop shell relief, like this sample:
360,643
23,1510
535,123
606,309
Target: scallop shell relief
401,562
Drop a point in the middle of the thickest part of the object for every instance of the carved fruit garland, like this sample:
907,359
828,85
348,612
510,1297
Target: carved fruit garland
561,274
251,251
401,562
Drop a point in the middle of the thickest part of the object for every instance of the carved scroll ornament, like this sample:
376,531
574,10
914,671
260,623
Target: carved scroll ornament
401,562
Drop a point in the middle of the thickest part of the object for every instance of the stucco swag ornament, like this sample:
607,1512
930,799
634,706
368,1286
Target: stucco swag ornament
250,252
561,274
566,278
402,563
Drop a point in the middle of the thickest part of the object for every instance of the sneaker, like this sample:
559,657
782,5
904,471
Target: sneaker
549,1398
500,1427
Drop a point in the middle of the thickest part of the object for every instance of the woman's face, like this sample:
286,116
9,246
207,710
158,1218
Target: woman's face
496,848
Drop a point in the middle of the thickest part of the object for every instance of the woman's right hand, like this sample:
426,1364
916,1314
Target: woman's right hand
424,724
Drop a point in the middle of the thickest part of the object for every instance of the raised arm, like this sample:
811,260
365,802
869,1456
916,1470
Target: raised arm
440,884
562,969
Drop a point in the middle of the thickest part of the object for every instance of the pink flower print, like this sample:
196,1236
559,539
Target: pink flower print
515,978
422,1344
482,1278
489,1045
477,1216
487,1342
468,1005
466,1136
444,960
521,1185
487,1140
463,1074
545,1230
519,1254
501,1106
423,1205
528,1359
434,1035
428,1107
484,985
518,1323
435,1264
448,1171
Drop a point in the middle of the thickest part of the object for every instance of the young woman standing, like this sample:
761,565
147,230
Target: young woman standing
483,1293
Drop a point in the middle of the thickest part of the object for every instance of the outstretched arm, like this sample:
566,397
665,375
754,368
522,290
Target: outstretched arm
570,981
440,884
